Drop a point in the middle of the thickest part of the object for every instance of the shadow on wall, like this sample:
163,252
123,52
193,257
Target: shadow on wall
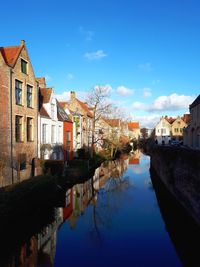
182,229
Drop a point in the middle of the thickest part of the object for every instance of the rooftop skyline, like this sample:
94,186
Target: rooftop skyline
145,52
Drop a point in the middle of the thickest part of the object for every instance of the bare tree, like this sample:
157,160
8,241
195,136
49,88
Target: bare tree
98,100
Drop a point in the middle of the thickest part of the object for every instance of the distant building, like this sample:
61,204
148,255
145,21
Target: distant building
134,130
169,128
192,132
18,114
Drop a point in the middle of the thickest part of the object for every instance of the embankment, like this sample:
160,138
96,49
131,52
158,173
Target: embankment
179,170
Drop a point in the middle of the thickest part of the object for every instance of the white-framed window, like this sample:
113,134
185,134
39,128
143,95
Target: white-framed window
44,133
18,128
29,129
24,66
29,96
18,92
53,134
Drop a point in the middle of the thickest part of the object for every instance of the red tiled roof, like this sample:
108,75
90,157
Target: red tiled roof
113,122
85,107
11,54
134,161
44,113
45,94
133,125
170,119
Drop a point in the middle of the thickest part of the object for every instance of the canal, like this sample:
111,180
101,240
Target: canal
113,219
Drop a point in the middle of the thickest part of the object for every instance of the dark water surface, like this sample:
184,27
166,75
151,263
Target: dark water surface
113,219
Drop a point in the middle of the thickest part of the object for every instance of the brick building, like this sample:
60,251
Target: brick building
18,114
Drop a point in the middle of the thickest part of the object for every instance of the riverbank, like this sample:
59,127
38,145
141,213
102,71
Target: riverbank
179,170
29,196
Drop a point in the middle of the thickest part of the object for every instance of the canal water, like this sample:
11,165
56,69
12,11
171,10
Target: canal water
113,219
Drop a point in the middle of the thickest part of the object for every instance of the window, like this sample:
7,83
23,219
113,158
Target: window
22,161
53,134
52,111
29,96
181,130
176,130
44,133
68,140
18,128
23,66
18,92
29,129
60,134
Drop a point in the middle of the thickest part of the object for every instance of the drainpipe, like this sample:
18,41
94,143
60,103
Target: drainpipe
11,126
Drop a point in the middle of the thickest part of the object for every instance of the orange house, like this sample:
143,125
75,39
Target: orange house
67,133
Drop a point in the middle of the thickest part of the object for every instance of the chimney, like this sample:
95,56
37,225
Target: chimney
42,82
22,43
72,95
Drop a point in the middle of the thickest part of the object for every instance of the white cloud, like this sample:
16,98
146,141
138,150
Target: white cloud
48,78
65,95
148,121
70,76
88,35
107,88
138,105
172,102
147,92
145,66
124,91
95,55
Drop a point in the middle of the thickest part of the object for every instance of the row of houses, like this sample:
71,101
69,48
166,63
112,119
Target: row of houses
169,128
186,128
34,124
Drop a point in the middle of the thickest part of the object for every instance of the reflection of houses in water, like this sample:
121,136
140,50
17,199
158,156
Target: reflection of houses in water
82,194
26,255
135,159
47,239
68,208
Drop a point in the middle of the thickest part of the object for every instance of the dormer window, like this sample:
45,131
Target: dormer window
24,66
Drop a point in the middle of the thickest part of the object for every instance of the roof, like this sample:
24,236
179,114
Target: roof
170,119
133,125
11,54
195,102
113,122
45,94
43,112
134,161
85,107
62,115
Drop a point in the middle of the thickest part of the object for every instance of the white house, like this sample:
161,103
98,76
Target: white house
50,129
163,131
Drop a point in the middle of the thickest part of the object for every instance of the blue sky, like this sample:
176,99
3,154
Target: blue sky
146,51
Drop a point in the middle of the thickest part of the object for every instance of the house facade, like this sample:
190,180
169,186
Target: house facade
169,128
163,131
82,118
134,130
192,132
19,110
50,128
67,132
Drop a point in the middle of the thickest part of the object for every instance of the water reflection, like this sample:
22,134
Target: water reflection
109,219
